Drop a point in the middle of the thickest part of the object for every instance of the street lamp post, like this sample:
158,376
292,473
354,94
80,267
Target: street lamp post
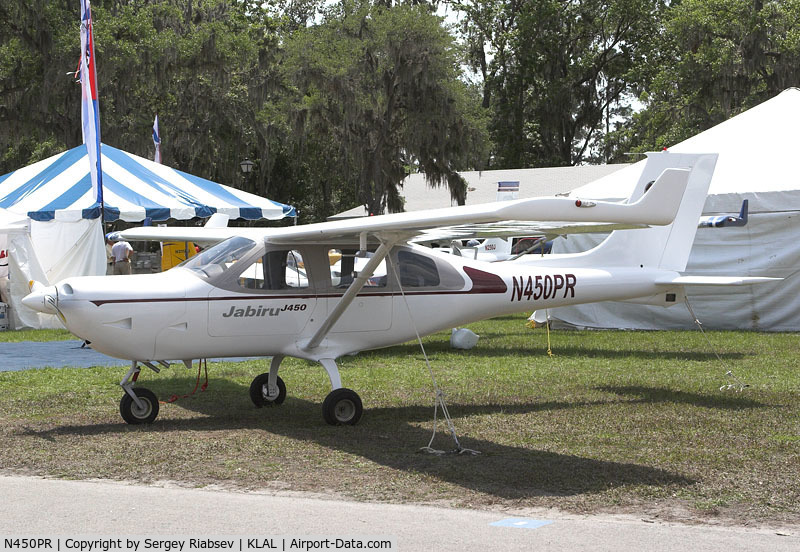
247,168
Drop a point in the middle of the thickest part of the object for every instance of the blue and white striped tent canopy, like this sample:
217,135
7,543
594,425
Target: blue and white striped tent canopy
60,188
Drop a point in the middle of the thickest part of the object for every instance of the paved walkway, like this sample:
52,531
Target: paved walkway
57,354
28,355
32,507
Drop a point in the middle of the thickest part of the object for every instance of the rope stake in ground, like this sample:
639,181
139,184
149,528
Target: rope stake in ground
734,383
531,323
439,401
202,363
547,321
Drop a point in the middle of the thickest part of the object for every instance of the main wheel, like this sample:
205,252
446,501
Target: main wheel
342,407
259,391
132,413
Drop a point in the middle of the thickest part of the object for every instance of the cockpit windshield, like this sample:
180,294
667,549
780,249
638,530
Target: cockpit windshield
217,259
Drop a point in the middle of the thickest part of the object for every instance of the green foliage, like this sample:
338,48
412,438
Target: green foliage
200,66
336,102
364,94
204,66
555,73
382,85
715,59
37,48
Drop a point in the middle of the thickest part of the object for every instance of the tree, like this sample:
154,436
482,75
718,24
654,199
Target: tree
717,58
555,72
37,48
204,66
378,89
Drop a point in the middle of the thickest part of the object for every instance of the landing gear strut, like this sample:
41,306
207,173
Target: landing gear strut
342,406
268,389
140,405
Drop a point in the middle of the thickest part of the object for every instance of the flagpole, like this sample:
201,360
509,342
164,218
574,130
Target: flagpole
90,113
156,141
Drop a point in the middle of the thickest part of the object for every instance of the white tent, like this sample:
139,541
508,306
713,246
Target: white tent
10,223
756,162
65,238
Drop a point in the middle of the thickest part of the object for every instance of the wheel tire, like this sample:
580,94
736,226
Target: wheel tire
342,407
132,414
259,391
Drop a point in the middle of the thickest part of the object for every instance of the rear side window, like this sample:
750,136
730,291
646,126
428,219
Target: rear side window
416,270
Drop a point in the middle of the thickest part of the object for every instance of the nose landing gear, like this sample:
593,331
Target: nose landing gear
140,405
143,413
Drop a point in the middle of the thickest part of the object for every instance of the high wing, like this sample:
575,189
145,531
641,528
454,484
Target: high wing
657,207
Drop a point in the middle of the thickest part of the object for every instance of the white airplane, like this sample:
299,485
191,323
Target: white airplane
497,248
235,299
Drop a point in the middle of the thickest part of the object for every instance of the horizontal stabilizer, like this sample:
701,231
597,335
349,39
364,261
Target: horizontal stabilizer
217,220
716,280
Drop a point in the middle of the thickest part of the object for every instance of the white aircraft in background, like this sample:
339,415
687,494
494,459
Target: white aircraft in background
497,248
235,299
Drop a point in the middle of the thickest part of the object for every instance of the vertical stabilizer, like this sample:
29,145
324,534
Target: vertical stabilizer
665,247
499,248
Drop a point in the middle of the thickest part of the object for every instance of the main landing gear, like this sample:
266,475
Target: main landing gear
341,406
264,392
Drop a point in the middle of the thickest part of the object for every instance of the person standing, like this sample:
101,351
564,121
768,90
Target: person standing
109,256
121,253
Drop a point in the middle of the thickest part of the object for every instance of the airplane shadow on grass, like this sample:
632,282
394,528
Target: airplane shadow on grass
570,352
661,395
392,437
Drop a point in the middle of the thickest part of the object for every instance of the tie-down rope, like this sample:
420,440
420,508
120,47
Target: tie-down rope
439,402
734,383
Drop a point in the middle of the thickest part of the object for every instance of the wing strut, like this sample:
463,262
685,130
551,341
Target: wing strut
349,295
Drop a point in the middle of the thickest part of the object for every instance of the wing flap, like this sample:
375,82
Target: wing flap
513,229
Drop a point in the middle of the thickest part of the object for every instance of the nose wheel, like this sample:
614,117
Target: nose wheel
143,413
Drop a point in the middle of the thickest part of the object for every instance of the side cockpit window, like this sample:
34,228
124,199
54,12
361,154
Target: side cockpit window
347,263
416,270
216,260
275,270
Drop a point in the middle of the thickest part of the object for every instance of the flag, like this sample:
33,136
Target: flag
157,141
90,115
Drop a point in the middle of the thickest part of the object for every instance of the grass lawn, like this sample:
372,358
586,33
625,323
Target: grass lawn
614,421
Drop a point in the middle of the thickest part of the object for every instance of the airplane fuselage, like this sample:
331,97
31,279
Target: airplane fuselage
324,290
183,314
